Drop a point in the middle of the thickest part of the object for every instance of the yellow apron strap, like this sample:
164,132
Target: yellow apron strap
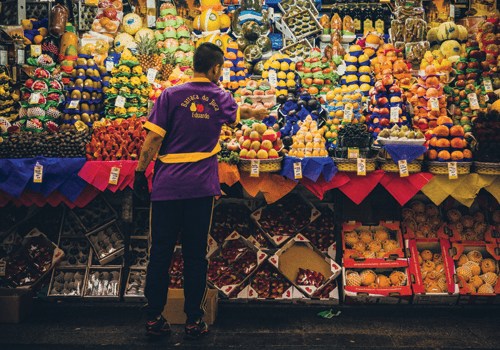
189,157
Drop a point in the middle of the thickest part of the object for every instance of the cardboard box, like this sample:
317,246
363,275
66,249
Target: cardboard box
425,214
231,214
253,296
350,256
174,309
87,290
139,297
99,206
333,297
111,255
487,250
16,304
388,295
321,232
300,253
79,294
436,246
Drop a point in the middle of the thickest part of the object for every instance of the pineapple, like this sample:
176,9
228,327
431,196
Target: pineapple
148,54
168,65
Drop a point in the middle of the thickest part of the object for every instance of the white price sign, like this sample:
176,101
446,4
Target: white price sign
151,21
73,104
353,153
348,113
434,104
109,65
3,58
488,86
297,170
394,114
34,98
474,104
452,170
254,168
452,11
36,50
38,173
120,101
114,175
226,75
20,56
151,75
361,166
273,78
403,168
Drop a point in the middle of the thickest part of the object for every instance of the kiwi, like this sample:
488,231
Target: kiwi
106,78
102,70
86,95
73,73
79,82
92,107
88,83
71,84
84,107
96,73
76,95
99,96
67,117
80,72
85,117
81,62
89,72
94,95
90,62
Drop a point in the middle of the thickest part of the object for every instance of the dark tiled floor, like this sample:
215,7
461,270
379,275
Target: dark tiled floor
78,325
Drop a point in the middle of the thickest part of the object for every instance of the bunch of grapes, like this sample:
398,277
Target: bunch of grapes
225,155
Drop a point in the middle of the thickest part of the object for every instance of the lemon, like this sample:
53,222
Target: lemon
292,66
290,76
283,92
265,74
209,20
285,66
281,75
285,56
267,65
281,83
290,83
276,65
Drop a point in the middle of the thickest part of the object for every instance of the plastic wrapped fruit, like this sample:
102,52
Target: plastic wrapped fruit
251,30
252,53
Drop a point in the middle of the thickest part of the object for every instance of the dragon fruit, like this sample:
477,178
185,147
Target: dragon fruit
35,112
41,73
53,113
51,126
34,124
40,85
23,112
29,83
56,85
54,96
4,125
45,61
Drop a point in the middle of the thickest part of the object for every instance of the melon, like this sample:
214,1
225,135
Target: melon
447,31
450,48
144,32
463,34
209,21
68,39
124,40
251,30
71,50
215,39
132,23
264,43
432,34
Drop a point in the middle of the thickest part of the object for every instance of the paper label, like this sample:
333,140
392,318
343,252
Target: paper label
3,58
361,166
473,101
394,114
34,98
150,4
434,104
114,175
79,125
36,50
488,86
421,72
353,153
74,104
348,113
120,101
403,168
452,170
20,56
226,75
151,75
38,174
151,21
452,11
254,168
297,170
486,98
273,78
109,65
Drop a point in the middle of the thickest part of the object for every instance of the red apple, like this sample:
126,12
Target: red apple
382,101
384,111
307,70
394,89
318,82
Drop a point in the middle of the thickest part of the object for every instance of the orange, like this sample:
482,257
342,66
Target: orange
432,154
313,90
467,153
228,64
442,130
233,45
230,56
457,143
433,142
330,95
37,39
457,155
443,143
444,155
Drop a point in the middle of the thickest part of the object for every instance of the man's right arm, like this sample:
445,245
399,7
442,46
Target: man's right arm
249,113
149,149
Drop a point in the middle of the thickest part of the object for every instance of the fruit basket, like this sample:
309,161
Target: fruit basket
441,168
301,25
388,165
351,165
486,168
298,49
265,165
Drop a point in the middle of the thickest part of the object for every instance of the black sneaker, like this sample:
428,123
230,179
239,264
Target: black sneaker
196,330
158,326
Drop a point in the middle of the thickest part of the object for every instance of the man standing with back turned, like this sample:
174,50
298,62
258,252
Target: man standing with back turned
184,126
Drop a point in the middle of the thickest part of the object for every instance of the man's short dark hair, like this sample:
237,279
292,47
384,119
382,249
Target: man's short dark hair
206,56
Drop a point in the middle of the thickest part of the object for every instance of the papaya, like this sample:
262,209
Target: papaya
71,51
67,39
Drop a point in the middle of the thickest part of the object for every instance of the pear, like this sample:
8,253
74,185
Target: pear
419,135
384,133
394,134
411,135
404,128
401,134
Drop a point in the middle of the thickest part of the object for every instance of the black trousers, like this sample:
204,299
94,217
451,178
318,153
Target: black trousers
191,217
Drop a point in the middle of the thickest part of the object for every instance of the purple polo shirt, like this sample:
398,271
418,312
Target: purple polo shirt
189,117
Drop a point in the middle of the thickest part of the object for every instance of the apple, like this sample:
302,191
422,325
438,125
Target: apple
380,89
308,81
307,70
327,71
300,69
318,82
324,59
328,82
461,66
377,130
473,65
308,60
316,69
315,59
460,83
299,64
325,89
382,101
384,111
394,89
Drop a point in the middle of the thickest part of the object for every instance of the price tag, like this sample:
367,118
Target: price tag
361,166
38,173
452,170
488,86
486,98
80,126
473,101
348,113
452,11
36,50
226,75
297,170
273,78
34,98
403,168
3,58
421,72
114,175
394,114
353,153
20,56
74,104
150,4
434,104
3,265
109,65
120,101
254,168
151,75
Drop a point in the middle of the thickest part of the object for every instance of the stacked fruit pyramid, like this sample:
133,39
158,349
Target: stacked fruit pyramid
316,72
41,97
284,68
84,96
309,141
8,100
358,69
172,35
447,142
233,59
129,81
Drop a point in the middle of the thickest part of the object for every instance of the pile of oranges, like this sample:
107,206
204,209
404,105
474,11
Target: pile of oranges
233,59
447,143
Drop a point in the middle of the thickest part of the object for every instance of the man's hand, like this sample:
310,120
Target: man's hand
260,114
249,113
141,187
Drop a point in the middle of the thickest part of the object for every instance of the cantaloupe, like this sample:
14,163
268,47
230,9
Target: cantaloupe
447,31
